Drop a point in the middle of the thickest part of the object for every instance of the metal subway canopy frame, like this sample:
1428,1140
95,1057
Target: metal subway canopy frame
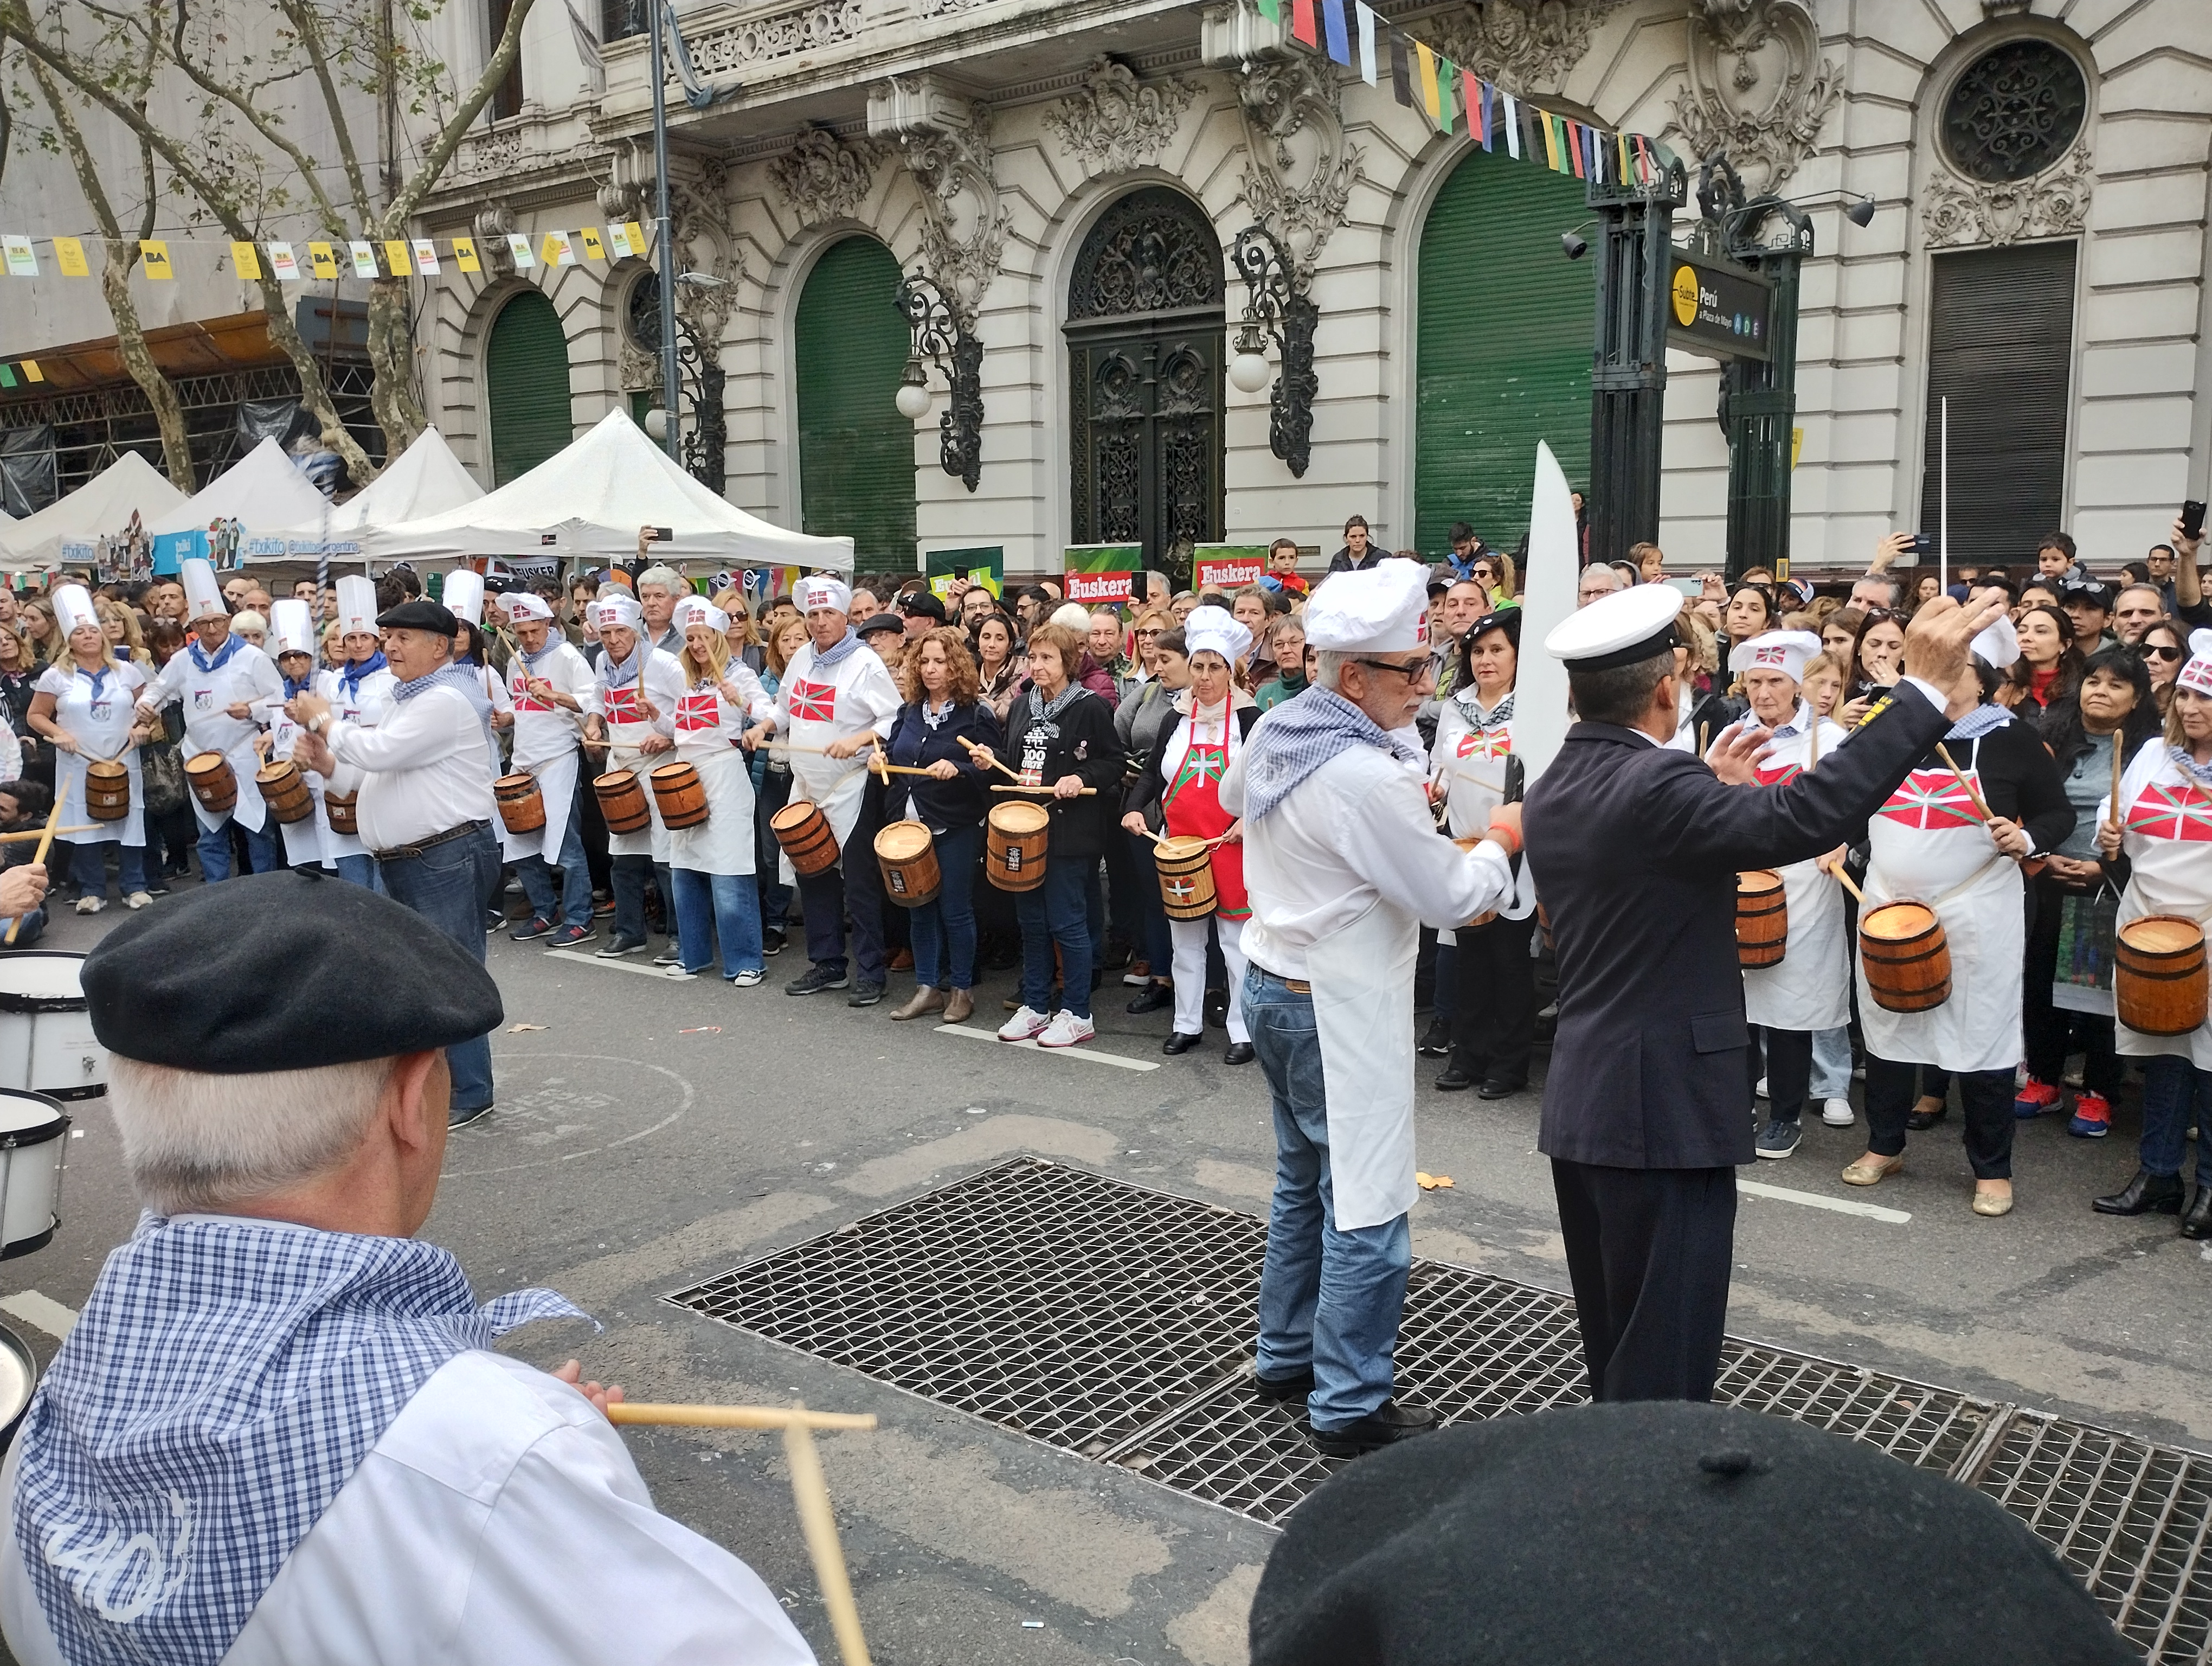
1103,574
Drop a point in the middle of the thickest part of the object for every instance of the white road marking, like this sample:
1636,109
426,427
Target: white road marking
610,964
1842,1205
991,1036
42,1311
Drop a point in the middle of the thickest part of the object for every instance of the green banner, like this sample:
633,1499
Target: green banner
986,565
1103,574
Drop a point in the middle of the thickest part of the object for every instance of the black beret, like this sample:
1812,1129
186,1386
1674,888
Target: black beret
876,621
921,603
1639,1533
421,614
282,972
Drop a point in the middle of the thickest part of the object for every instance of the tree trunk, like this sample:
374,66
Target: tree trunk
392,362
315,393
138,359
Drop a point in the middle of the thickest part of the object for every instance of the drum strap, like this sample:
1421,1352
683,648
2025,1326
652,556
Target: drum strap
1968,883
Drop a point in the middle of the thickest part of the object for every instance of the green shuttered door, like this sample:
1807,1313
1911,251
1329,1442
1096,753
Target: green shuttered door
855,451
1502,357
527,367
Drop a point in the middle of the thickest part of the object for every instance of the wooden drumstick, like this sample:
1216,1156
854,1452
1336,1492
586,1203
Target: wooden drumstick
1972,791
46,844
2119,763
1009,773
1844,879
25,838
1024,787
669,1415
819,1522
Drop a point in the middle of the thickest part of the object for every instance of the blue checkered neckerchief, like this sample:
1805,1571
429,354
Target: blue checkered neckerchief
461,674
1297,737
1978,722
224,1382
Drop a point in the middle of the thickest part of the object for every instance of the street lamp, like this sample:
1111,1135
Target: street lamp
1278,311
938,329
913,399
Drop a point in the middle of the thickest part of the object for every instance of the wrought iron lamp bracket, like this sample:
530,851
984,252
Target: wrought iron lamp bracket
939,331
1279,311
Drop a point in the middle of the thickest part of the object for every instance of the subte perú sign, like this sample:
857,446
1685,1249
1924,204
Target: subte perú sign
1719,309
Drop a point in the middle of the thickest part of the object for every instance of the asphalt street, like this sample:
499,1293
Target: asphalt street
651,1133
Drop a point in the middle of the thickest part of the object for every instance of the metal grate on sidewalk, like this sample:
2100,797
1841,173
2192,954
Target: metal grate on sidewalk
1115,1323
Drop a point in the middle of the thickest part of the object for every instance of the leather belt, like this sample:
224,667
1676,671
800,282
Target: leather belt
1296,986
401,853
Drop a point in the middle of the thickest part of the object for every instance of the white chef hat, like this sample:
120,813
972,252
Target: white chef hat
522,605
823,590
698,610
1215,629
2196,675
463,595
356,606
1997,643
73,607
203,595
617,612
1786,651
289,623
1624,628
1383,609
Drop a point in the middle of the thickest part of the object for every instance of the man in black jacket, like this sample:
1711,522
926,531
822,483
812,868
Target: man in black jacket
1635,849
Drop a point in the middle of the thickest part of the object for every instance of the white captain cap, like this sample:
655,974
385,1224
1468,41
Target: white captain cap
72,608
203,596
289,624
1217,630
1998,643
1786,651
1625,629
619,611
522,605
1381,610
823,590
356,606
463,595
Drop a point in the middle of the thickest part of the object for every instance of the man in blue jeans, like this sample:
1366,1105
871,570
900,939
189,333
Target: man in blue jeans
426,806
1343,863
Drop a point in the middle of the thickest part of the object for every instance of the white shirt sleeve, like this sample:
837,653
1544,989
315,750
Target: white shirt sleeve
168,686
759,703
1389,841
434,725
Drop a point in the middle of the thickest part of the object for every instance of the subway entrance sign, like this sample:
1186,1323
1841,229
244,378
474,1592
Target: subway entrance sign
1719,309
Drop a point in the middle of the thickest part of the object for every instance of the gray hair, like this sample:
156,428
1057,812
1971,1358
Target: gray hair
200,1143
664,576
1329,667
1075,616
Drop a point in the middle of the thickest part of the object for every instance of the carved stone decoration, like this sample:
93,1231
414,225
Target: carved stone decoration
699,206
1114,122
1526,46
1298,170
761,36
822,177
1956,212
945,143
1759,87
493,222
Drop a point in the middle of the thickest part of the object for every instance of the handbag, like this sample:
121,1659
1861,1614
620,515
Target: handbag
161,775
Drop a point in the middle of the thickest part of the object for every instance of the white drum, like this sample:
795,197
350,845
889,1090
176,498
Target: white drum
46,1043
19,1375
34,1149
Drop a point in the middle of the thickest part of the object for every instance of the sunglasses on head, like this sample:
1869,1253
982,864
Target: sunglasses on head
1880,615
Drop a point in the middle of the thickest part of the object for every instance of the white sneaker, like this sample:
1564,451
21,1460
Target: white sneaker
1761,1089
1836,1113
90,904
1065,1029
136,900
748,980
1026,1022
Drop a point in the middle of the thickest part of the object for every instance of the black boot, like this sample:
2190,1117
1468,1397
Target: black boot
2197,1223
2147,1194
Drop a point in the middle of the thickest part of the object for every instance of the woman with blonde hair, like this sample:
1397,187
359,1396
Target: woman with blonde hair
35,619
119,624
85,705
712,865
746,646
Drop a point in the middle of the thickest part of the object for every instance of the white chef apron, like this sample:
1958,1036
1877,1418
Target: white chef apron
208,695
1362,999
2168,840
724,843
542,727
101,729
839,782
307,841
1810,989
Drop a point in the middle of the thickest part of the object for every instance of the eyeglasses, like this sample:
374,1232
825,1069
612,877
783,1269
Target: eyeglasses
1411,671
2155,653
1145,635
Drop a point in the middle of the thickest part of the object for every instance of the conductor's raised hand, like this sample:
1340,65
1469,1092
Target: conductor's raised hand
1940,638
1736,752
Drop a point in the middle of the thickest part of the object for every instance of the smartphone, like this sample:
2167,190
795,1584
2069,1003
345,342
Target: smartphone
2192,518
664,534
959,572
1923,544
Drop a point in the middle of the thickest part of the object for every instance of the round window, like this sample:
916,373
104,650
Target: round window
2014,111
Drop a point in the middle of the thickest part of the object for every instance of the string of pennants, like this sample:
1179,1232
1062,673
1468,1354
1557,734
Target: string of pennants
1423,78
297,263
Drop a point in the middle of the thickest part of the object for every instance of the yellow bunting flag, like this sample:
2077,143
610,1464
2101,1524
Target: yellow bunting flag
321,260
556,249
246,258
69,254
395,256
283,263
464,254
1428,80
156,253
32,374
1551,140
593,251
635,232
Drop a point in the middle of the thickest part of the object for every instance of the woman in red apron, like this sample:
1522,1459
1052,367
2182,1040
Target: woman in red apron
1180,788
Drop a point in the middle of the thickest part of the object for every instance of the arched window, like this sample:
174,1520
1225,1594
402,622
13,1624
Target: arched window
526,374
855,451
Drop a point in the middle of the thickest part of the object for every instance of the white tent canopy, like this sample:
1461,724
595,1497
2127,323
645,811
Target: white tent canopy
262,491
425,479
101,508
590,499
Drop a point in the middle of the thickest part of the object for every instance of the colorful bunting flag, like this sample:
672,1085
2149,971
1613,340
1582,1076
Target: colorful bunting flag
1447,94
1303,27
1428,61
28,369
519,246
282,263
1551,140
1402,74
69,255
594,249
364,258
23,262
322,260
1340,39
426,256
1366,14
464,254
557,250
1575,146
155,251
1512,124
396,257
1478,128
637,246
246,260
1272,10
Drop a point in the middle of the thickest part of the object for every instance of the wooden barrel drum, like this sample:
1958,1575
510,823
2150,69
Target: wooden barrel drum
521,805
805,834
1186,866
213,782
1906,958
908,856
1762,919
621,800
284,790
1014,842
106,790
343,811
2158,974
681,795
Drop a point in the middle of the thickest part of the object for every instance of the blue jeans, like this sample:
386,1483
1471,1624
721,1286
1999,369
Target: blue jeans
1159,942
944,928
725,906
215,849
1328,1298
1832,1063
630,875
88,869
362,870
451,885
2175,1094
1057,912
572,906
33,928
